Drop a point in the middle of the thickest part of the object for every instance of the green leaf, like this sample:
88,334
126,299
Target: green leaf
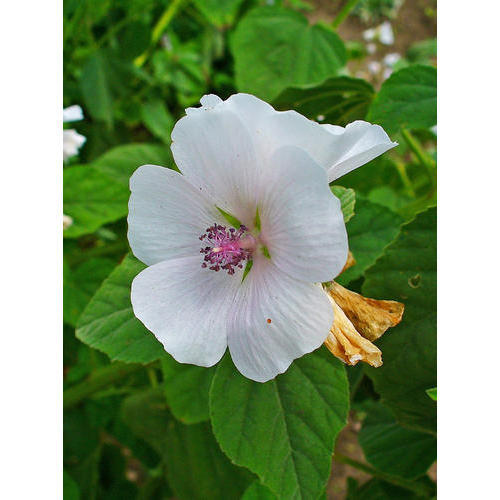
70,488
432,393
121,162
407,273
80,284
407,99
92,199
276,48
108,322
375,489
283,430
257,491
95,87
186,389
347,199
158,120
370,231
219,12
393,449
147,415
196,467
339,100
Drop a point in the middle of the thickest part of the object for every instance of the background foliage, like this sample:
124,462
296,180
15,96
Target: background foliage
137,424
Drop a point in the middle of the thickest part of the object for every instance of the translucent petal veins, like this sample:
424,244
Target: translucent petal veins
226,248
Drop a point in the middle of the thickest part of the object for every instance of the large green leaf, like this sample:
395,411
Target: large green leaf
80,284
98,193
146,414
276,48
157,119
92,199
407,273
121,162
394,449
219,12
70,488
370,231
196,467
108,322
95,86
283,430
257,491
407,99
339,100
186,388
376,489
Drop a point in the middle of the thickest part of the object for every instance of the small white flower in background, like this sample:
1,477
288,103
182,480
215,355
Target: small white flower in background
434,130
383,33
369,34
391,59
387,73
72,140
252,287
67,221
374,67
371,48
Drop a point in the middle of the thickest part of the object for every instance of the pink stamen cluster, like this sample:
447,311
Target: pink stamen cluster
226,249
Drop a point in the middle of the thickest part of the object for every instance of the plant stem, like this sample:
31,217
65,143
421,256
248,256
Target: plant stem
97,380
403,174
344,12
158,30
425,160
418,488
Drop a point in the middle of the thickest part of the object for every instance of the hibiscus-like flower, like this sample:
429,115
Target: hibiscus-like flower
238,244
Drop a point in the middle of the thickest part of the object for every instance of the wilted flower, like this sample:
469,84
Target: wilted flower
72,140
238,242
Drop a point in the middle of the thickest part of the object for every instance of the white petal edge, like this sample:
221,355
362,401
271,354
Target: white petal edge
337,149
72,142
167,215
276,320
215,152
186,308
302,223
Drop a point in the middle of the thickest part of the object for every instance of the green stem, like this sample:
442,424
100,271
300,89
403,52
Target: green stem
98,380
158,29
403,174
344,12
418,488
422,156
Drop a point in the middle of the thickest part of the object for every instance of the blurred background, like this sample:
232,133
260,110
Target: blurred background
131,67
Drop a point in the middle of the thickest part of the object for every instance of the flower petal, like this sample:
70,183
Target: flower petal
302,223
215,152
166,215
339,150
186,307
276,320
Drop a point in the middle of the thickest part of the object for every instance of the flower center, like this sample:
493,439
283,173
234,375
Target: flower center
227,248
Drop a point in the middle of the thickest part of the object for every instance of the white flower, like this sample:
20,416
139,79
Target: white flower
371,48
385,33
391,59
72,140
374,67
270,170
72,114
